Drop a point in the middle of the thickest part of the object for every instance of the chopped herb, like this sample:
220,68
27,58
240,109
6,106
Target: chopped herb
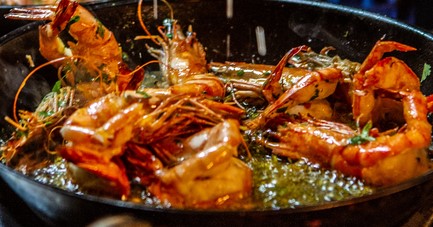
252,113
44,114
240,72
425,72
144,94
346,34
62,103
56,87
48,123
72,21
100,31
296,58
125,56
363,137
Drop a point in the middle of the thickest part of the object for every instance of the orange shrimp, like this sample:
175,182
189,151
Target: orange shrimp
98,134
93,141
378,158
211,174
383,160
181,55
94,45
375,73
309,86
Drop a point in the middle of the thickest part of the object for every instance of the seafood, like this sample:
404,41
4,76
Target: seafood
182,60
200,85
92,133
93,141
256,85
378,158
390,74
181,55
35,130
88,35
157,135
386,160
212,175
182,115
311,85
97,134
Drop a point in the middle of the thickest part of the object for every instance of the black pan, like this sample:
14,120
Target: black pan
287,24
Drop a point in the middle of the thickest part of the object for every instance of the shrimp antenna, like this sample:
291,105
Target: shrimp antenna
23,83
140,20
247,150
156,39
15,124
170,8
50,135
142,66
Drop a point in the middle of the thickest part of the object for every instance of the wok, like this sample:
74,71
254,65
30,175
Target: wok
286,24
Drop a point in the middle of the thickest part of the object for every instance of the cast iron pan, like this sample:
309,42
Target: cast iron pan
287,24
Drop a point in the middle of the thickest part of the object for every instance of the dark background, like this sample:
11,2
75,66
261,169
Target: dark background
418,13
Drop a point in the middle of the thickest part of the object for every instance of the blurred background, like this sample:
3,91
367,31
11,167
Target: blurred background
415,12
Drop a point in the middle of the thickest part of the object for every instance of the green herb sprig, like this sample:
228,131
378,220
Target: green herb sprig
363,137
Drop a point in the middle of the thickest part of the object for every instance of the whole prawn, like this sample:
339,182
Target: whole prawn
98,134
375,74
94,48
212,175
181,56
378,158
310,86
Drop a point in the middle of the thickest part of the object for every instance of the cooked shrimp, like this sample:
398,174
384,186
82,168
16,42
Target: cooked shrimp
87,31
34,131
97,134
375,74
212,175
181,55
378,158
309,86
382,160
95,137
182,115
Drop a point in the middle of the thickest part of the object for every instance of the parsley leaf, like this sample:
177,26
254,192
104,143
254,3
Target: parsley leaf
56,87
425,72
100,30
363,137
73,20
144,94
